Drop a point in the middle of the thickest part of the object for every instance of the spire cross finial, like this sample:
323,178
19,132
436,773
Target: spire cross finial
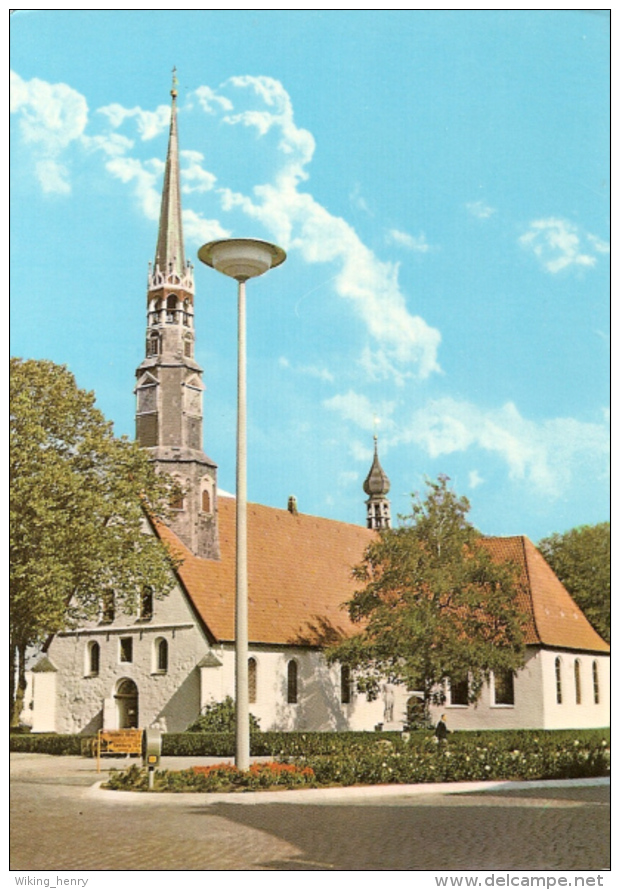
175,82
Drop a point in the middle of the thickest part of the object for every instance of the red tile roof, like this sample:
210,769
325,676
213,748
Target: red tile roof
299,576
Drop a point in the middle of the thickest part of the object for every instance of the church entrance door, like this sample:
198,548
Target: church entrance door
126,698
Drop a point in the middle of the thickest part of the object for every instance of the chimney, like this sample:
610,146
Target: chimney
292,505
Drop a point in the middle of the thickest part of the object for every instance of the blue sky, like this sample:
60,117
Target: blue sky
440,182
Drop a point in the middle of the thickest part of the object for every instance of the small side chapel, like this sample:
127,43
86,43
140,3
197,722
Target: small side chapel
164,664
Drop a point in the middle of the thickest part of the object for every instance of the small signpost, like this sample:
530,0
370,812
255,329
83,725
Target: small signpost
151,753
118,741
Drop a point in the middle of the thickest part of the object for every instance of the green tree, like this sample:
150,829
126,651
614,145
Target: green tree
433,604
78,497
581,558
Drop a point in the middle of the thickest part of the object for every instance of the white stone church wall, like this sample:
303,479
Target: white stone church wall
173,695
569,713
318,707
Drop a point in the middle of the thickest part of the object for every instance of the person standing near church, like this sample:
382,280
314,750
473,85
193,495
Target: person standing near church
441,730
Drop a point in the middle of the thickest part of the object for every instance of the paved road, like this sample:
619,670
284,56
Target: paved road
61,821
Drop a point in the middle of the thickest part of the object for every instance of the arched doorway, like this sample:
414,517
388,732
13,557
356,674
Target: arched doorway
126,698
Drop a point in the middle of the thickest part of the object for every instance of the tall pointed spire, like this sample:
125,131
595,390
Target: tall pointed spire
169,387
170,252
377,486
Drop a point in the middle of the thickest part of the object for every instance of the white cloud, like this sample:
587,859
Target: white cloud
358,201
544,454
557,243
475,479
111,144
479,209
145,177
210,101
598,244
53,177
354,407
148,123
317,371
361,411
417,244
194,177
297,221
51,117
199,230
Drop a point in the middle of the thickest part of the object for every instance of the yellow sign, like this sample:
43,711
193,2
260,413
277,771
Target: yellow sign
118,741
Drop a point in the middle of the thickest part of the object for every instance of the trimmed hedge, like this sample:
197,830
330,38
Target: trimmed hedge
48,743
378,757
269,744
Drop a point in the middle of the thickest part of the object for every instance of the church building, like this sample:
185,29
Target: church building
163,665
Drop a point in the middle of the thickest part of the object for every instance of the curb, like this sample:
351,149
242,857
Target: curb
326,795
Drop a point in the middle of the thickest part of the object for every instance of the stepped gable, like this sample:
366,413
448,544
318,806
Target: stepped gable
555,619
299,576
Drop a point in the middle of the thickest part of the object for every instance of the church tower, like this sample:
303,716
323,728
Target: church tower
377,486
169,381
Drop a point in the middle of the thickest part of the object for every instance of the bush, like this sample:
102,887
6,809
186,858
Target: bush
220,717
47,743
467,758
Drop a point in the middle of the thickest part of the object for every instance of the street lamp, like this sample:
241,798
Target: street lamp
241,258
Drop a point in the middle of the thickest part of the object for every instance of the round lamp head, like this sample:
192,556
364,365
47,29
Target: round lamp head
241,258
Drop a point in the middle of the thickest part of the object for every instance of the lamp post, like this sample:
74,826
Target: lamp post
241,258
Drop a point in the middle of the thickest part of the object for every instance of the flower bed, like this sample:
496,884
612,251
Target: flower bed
466,757
219,777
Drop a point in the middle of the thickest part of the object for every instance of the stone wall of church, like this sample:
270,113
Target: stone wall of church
535,697
84,696
578,679
319,705
526,712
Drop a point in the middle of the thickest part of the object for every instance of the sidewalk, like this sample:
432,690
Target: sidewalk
60,770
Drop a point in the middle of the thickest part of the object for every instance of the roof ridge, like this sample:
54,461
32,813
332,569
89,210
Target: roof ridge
522,540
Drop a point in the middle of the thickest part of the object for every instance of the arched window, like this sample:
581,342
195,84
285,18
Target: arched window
160,656
345,684
595,683
252,677
206,501
558,681
291,683
92,659
577,681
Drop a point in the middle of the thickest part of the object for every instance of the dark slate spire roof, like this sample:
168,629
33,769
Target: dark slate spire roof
170,248
377,482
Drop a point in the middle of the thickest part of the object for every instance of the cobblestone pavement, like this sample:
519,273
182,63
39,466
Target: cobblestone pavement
59,821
